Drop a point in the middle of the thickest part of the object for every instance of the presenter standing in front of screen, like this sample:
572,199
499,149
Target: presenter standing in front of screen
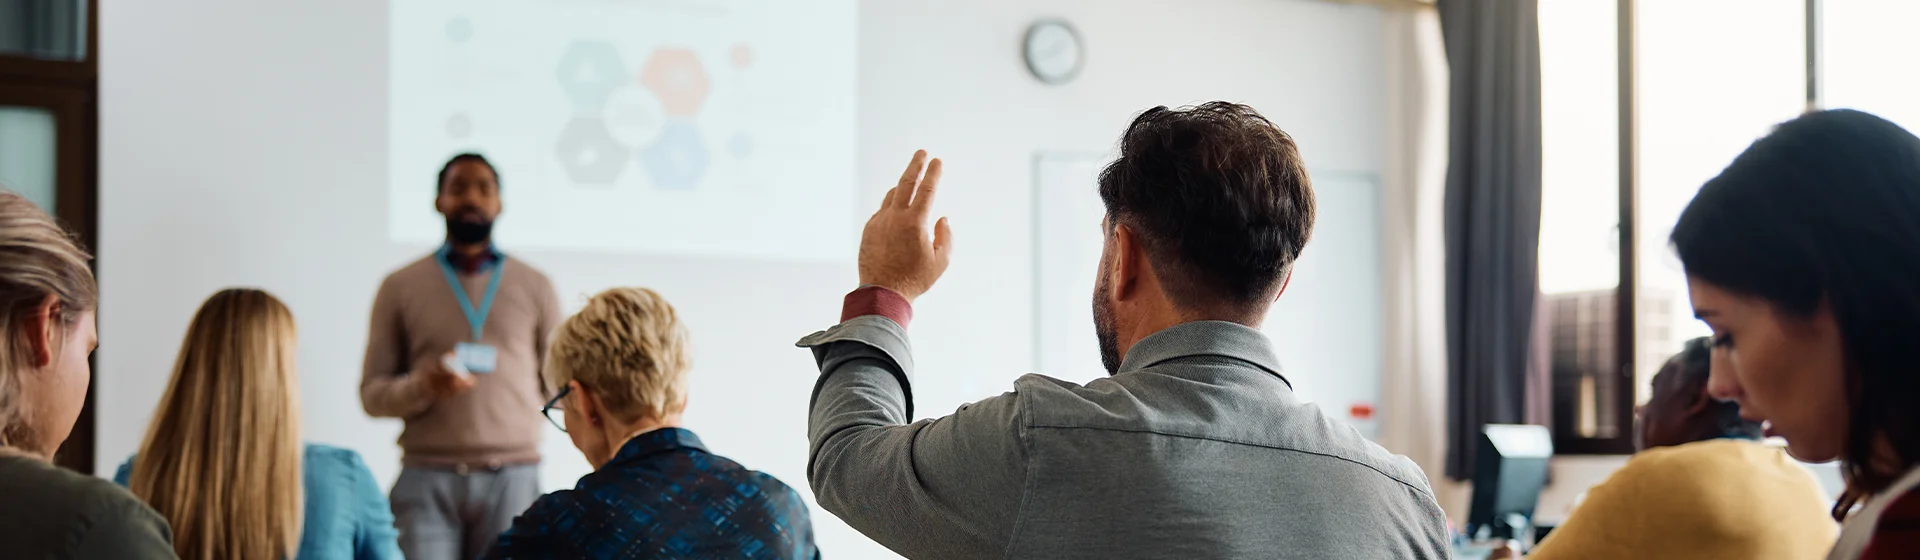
454,350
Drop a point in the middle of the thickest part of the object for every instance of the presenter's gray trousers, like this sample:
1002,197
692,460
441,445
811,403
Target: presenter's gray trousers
448,514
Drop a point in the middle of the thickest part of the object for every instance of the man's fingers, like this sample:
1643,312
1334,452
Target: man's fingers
942,238
888,201
923,196
908,179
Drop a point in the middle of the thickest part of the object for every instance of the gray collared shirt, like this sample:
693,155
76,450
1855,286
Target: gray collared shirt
1198,448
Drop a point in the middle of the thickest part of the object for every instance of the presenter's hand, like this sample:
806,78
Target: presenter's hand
896,251
443,382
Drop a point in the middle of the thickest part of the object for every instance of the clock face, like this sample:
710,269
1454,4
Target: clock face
1053,51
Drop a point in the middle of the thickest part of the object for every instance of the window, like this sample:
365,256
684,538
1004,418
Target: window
1866,52
1714,76
1580,214
1702,80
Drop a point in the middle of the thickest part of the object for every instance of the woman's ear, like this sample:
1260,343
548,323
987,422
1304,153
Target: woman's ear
42,330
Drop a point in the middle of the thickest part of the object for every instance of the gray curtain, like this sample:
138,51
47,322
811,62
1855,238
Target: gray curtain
1492,215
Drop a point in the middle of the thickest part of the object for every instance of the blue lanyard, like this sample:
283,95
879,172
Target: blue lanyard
476,318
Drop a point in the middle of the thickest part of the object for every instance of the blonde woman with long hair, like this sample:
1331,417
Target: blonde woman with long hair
47,299
223,459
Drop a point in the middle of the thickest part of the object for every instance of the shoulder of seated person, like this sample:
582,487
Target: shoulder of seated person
331,454
1710,450
54,489
1700,461
332,464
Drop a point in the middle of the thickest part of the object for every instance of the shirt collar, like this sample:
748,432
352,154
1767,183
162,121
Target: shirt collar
1205,338
483,263
655,442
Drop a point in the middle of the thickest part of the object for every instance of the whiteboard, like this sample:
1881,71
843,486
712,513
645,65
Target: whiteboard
1326,327
1067,243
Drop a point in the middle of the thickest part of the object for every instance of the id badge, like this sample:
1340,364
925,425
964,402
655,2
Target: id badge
478,358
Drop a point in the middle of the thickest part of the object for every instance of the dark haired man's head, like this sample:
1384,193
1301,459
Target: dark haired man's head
1207,209
469,198
1680,411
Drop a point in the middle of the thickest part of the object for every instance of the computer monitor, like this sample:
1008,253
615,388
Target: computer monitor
1510,468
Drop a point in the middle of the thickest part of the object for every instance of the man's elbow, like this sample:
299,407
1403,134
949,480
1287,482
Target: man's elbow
827,472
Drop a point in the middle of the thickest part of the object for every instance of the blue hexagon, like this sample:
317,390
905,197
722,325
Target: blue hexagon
679,159
589,154
589,71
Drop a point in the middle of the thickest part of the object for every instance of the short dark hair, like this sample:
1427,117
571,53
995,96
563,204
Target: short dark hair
1220,199
1691,369
468,156
1826,210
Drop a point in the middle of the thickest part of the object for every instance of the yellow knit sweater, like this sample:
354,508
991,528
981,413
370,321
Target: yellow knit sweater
1705,500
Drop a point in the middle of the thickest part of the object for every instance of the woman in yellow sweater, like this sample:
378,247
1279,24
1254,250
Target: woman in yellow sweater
1702,487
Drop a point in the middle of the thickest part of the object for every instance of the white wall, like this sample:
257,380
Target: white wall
243,143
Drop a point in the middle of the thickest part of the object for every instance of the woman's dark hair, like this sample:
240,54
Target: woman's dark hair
1826,209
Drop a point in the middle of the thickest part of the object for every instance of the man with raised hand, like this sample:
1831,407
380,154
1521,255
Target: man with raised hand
1195,446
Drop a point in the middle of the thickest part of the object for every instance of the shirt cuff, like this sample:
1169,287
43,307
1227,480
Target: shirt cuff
876,300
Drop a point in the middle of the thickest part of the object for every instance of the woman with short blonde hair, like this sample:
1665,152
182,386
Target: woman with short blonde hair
223,460
620,366
47,300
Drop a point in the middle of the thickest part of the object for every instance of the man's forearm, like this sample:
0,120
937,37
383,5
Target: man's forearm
393,396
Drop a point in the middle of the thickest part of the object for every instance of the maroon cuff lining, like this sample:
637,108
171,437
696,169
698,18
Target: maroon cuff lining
875,300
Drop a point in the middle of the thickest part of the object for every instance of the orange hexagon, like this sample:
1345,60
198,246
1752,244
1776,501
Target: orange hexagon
676,76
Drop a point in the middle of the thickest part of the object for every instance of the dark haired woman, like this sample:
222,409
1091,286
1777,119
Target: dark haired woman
1804,258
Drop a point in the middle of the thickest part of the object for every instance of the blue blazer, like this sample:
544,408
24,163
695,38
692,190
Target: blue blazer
347,517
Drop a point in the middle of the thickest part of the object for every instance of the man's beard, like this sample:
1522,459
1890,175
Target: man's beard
462,231
1103,327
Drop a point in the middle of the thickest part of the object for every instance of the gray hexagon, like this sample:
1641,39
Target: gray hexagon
589,154
589,71
679,159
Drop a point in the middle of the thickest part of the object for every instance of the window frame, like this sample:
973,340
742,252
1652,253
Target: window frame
1627,300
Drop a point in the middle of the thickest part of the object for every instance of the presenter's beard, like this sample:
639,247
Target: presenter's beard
468,232
1103,324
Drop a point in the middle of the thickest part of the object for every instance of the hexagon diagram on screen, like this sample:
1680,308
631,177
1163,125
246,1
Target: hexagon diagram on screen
589,154
677,77
678,160
589,71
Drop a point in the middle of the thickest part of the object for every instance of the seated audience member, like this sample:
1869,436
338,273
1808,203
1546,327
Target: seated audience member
223,460
656,492
1703,486
1195,446
47,298
1803,256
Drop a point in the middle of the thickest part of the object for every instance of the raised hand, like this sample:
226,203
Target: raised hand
896,251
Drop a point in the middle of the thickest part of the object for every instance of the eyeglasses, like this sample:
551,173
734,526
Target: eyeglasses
554,406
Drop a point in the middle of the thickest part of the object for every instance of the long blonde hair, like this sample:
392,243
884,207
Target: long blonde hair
37,259
222,457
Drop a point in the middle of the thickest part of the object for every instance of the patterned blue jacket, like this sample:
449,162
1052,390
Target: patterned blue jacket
663,495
